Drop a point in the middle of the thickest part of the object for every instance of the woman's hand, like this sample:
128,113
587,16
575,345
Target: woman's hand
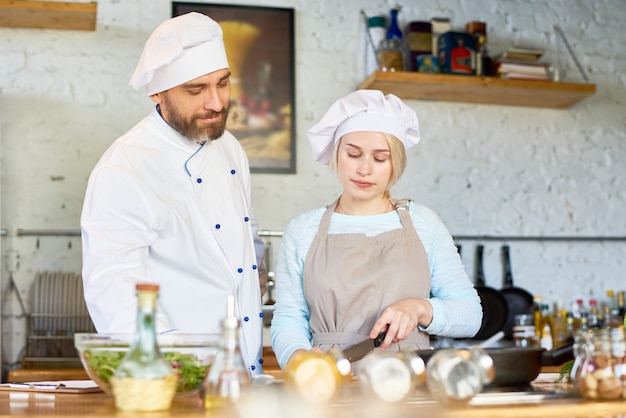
401,318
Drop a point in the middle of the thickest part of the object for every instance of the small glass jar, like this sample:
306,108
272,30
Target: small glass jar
390,55
391,376
599,370
455,376
524,331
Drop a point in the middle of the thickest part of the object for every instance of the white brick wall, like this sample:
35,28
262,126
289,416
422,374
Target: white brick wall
487,170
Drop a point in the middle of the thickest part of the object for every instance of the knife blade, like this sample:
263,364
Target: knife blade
358,351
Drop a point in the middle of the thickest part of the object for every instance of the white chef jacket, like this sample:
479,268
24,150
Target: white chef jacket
161,208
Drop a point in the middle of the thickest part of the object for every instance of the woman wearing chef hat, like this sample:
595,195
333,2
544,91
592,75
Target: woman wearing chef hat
369,262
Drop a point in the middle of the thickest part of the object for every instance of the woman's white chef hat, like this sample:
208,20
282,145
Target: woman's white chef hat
363,110
179,50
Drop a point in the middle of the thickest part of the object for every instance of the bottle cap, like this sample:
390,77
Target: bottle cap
147,286
376,21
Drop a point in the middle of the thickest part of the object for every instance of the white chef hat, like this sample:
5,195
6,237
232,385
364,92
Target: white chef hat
363,110
179,50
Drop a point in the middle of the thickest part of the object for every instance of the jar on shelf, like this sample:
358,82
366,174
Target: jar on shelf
390,55
599,370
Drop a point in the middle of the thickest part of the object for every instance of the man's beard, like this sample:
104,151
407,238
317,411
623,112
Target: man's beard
189,128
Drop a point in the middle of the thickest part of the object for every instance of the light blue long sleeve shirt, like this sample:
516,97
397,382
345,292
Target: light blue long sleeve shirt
457,311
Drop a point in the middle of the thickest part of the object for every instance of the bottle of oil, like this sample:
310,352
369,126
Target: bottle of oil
228,376
559,325
144,380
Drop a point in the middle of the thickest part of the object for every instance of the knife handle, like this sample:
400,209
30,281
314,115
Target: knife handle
379,340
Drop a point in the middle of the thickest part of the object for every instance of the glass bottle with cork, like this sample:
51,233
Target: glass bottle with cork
484,63
228,376
144,381
390,52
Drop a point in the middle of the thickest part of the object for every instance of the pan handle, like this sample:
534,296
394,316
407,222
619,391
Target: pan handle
480,272
508,274
558,355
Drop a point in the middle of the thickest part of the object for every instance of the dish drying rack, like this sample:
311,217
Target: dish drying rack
58,311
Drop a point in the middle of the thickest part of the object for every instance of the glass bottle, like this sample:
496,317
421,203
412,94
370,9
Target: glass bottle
394,32
593,321
546,340
390,52
559,325
535,309
228,376
144,379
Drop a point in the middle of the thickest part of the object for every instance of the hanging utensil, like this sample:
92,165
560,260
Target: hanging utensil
495,309
518,300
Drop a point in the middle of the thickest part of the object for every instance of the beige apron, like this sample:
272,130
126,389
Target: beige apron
349,279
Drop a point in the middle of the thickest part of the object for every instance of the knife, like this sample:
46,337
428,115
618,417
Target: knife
358,351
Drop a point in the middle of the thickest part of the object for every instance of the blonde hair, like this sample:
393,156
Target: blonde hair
398,159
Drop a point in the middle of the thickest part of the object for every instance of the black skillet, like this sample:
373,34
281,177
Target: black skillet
518,300
495,308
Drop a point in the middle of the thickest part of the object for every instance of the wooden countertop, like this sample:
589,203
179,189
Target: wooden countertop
273,401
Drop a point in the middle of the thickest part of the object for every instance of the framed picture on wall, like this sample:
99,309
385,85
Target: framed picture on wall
260,47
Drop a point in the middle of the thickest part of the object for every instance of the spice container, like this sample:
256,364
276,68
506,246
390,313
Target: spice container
599,371
391,376
455,376
144,380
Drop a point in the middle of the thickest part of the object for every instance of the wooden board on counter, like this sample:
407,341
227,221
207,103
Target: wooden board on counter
474,89
48,15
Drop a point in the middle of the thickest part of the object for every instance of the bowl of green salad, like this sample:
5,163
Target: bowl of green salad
191,356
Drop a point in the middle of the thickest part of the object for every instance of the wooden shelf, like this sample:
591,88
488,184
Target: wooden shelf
473,89
48,15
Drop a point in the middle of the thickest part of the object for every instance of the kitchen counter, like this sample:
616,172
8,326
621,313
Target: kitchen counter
273,401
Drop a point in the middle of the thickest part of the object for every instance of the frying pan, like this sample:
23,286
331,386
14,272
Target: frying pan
518,366
518,300
495,308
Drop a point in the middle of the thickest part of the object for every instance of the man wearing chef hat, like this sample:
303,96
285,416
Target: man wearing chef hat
170,201
369,263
